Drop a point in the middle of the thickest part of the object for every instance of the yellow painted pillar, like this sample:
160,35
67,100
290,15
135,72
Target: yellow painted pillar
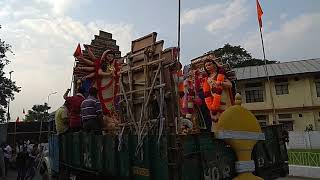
241,130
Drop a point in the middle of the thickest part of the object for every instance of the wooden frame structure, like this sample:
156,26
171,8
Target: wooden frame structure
148,94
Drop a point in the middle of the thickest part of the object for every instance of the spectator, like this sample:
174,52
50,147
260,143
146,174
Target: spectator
21,163
29,146
31,163
2,164
91,112
7,157
74,103
61,119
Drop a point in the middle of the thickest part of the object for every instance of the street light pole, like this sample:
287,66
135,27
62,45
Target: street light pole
8,111
49,97
48,115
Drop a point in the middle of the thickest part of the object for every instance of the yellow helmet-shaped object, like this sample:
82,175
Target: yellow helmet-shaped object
240,129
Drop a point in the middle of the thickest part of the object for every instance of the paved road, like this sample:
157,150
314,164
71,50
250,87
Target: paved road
295,178
12,175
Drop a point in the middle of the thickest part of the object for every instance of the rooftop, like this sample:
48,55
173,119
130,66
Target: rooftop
279,69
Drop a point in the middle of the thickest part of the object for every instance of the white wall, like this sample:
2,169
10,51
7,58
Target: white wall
304,140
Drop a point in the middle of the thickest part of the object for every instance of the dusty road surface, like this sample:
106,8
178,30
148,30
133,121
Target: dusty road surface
13,176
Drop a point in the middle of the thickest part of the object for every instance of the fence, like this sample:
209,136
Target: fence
304,158
304,140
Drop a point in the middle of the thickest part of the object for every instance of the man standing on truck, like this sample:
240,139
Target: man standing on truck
91,112
74,103
61,119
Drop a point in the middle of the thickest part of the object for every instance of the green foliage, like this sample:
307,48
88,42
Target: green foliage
7,87
237,56
38,113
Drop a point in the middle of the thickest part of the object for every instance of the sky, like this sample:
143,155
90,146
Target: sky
44,34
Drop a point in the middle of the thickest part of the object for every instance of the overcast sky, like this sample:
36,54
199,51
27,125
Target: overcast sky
44,34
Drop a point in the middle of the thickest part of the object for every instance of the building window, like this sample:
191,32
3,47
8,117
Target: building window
287,121
288,125
285,116
254,92
281,86
318,88
262,119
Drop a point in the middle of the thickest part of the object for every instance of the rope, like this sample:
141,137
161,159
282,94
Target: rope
120,139
140,139
161,123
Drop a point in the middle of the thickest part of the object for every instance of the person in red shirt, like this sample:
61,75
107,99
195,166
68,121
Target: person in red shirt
74,103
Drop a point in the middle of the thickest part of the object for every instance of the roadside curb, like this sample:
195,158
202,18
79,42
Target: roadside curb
304,171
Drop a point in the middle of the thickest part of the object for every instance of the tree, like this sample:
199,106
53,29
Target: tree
237,56
7,87
38,113
254,62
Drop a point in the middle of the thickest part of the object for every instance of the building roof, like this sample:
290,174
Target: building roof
279,69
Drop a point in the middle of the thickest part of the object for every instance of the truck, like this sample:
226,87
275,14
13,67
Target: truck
144,140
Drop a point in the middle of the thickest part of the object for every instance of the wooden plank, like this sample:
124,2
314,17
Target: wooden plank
143,42
99,48
169,55
140,66
139,55
105,34
98,53
101,37
102,43
148,88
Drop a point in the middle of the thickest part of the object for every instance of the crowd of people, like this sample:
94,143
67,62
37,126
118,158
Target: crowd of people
25,158
5,158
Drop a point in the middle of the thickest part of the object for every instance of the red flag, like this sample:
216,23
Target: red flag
78,51
18,120
23,111
260,13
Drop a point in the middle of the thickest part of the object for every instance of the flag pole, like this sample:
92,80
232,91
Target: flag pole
179,29
274,119
177,121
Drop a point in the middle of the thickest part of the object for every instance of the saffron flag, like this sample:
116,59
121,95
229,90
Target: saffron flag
260,13
78,51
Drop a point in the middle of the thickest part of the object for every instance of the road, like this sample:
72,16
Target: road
12,175
295,178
